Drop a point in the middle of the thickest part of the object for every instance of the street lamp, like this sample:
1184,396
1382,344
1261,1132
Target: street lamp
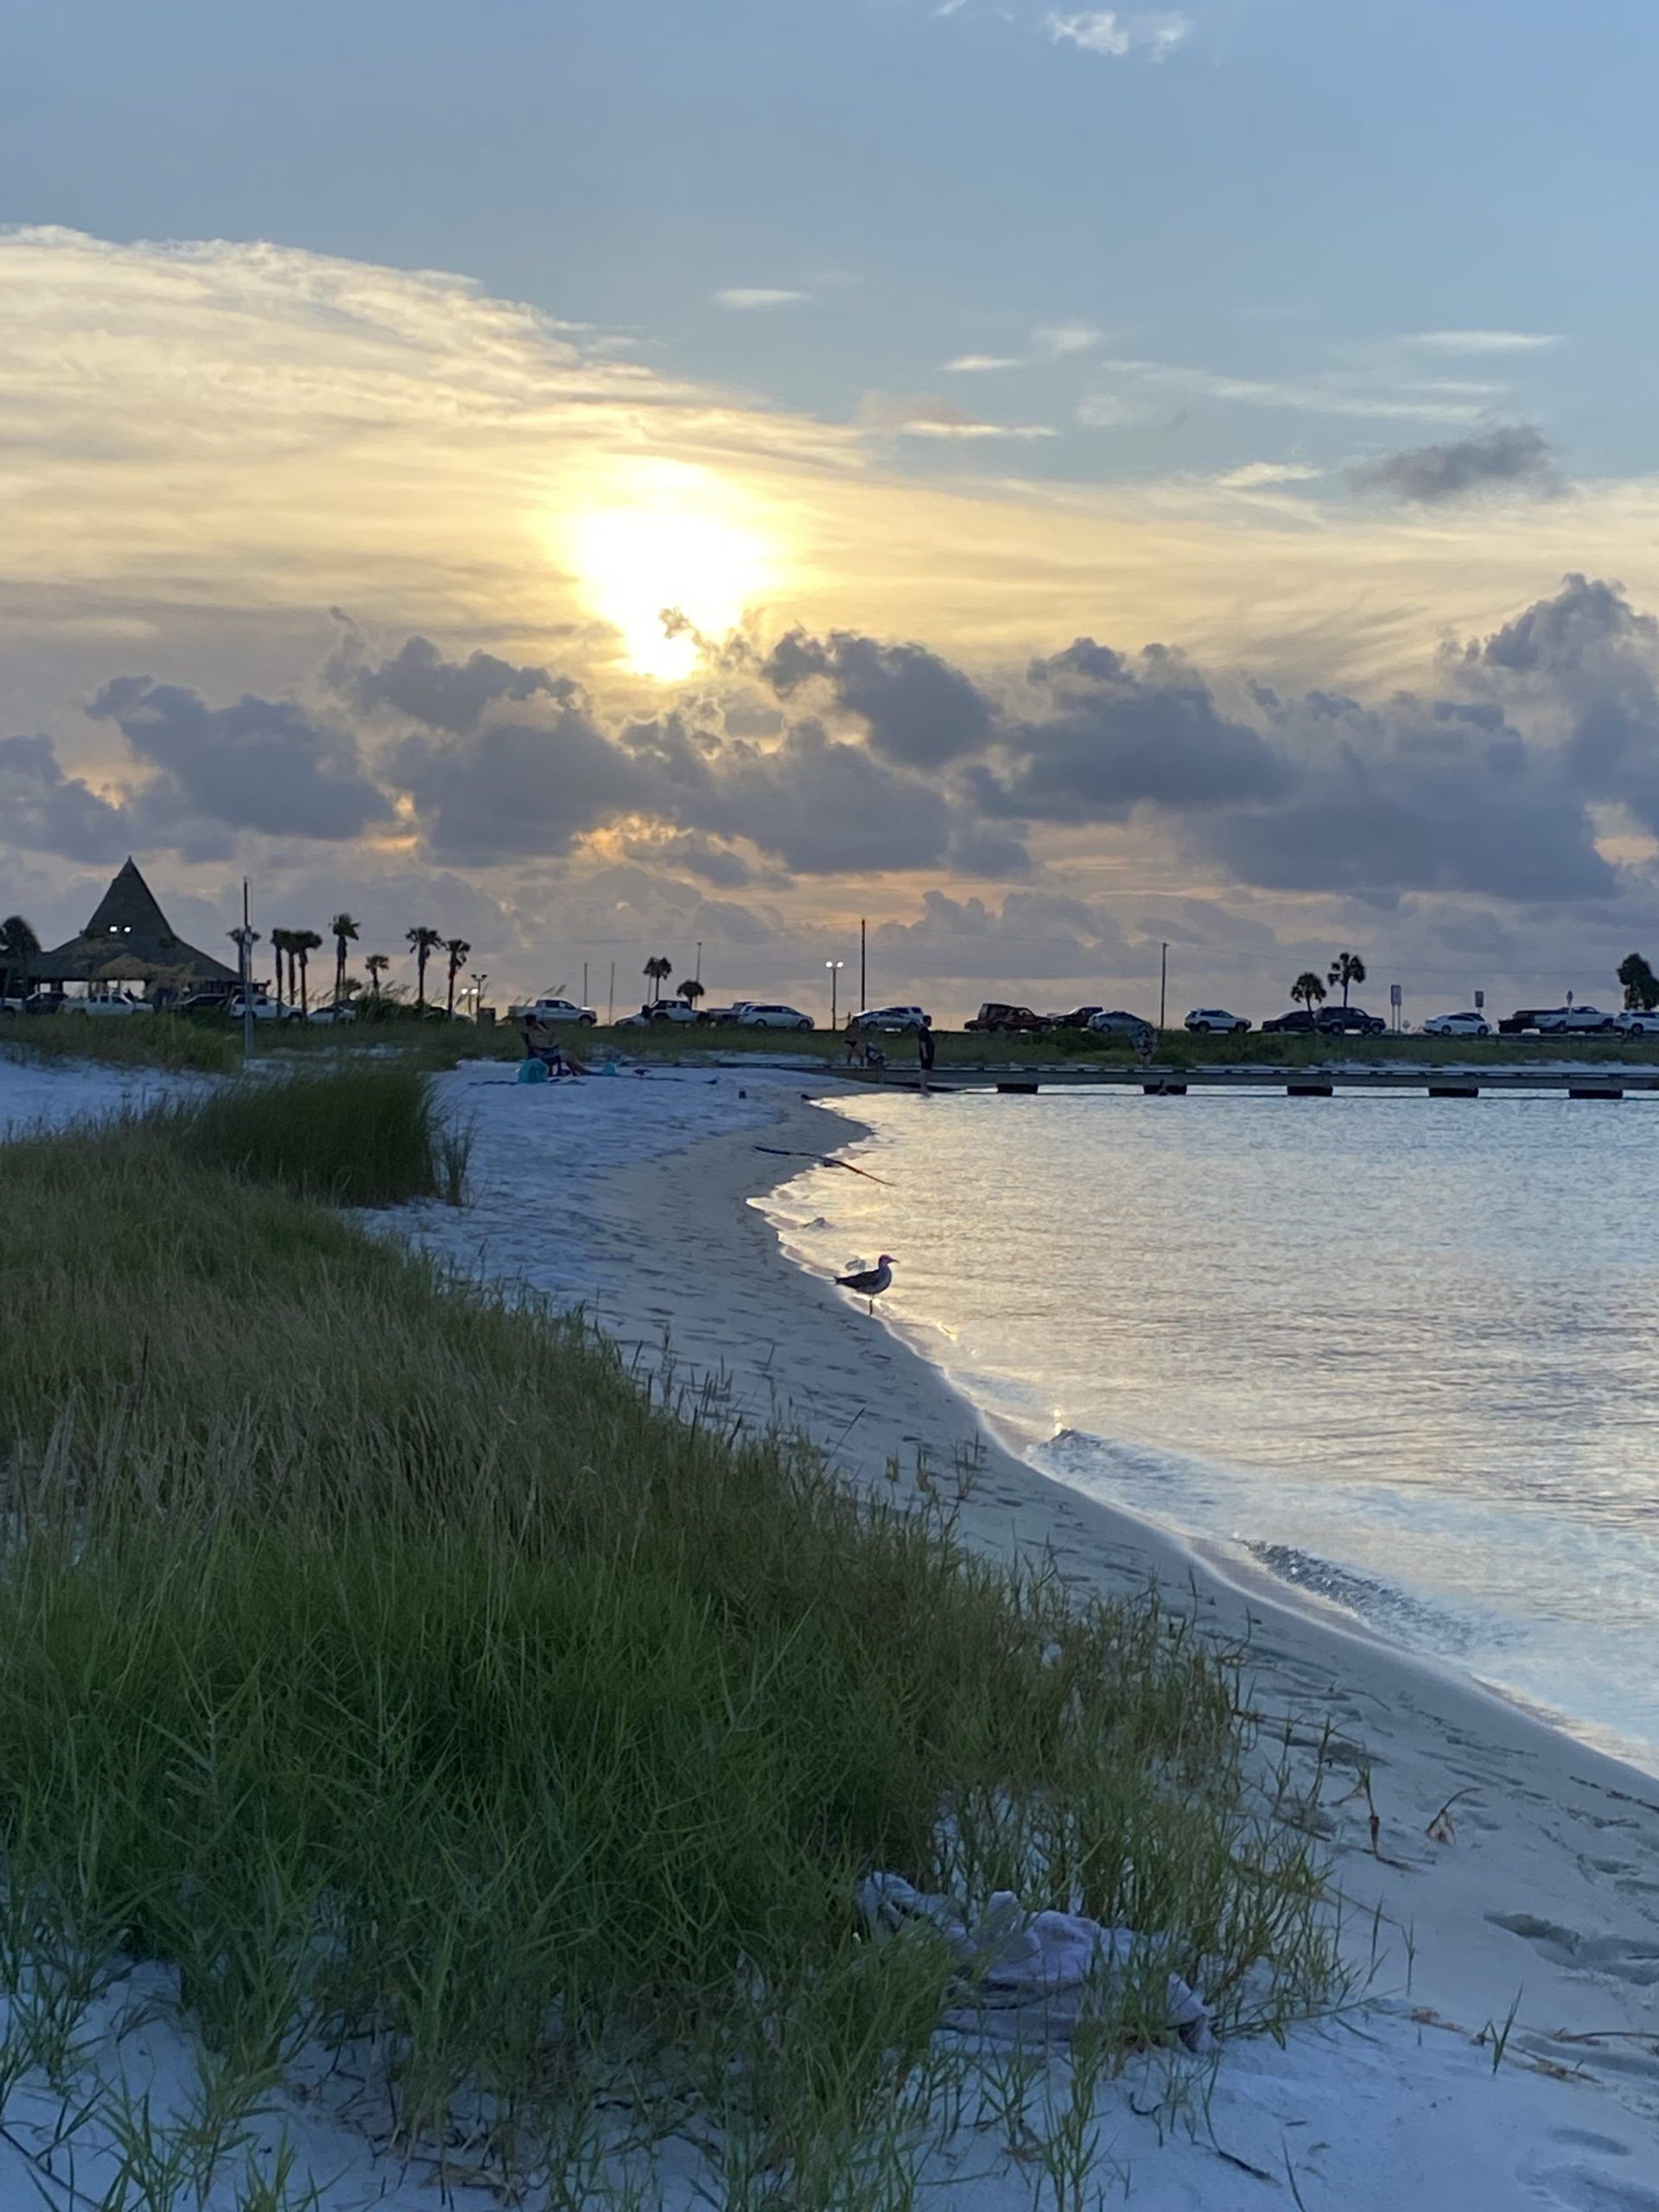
835,968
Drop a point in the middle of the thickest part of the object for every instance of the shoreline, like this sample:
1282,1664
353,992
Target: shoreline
1509,1891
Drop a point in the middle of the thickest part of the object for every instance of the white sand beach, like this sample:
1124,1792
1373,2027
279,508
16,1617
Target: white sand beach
1529,1915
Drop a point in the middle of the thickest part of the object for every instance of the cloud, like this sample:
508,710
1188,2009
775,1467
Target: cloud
44,810
1105,32
417,681
1513,457
1057,340
1115,736
1110,410
1482,341
917,710
1262,475
746,298
260,763
1344,394
1032,935
981,364
1415,797
517,788
928,415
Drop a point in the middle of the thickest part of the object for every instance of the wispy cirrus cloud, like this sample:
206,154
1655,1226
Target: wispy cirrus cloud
981,364
927,416
1114,36
747,299
1363,397
1483,341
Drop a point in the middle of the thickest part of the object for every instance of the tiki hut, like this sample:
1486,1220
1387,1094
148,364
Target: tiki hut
128,941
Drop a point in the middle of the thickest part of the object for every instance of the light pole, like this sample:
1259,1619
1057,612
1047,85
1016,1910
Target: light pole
1163,985
835,968
478,980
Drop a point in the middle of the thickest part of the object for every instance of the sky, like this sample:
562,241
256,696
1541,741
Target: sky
1050,482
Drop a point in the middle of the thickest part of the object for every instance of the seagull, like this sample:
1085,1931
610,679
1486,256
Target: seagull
869,1282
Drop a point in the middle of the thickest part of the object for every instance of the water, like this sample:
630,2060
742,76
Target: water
1401,1351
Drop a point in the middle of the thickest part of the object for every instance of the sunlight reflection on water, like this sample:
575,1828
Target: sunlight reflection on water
1401,1348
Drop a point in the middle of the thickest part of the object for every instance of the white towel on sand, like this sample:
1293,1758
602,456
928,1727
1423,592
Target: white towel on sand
1042,1966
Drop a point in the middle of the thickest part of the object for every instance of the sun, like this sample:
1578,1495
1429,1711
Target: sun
674,557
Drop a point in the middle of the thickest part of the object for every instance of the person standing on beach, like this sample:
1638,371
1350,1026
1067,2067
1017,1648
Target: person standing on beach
925,1051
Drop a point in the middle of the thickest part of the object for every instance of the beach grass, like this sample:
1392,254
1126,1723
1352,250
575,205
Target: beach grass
379,1653
150,1040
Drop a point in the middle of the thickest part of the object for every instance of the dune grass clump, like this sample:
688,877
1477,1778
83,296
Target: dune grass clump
149,1040
357,1134
378,1653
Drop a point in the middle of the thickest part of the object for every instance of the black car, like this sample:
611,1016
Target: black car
1299,1021
1349,1021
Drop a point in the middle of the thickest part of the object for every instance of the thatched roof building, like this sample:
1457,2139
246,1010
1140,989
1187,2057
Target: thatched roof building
127,940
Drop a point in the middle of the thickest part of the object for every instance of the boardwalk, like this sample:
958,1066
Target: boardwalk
1451,1081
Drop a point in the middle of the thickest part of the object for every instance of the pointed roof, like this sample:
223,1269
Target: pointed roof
129,929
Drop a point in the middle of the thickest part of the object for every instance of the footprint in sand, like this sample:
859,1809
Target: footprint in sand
1634,1963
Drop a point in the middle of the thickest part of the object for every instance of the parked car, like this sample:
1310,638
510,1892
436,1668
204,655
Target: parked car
339,1010
996,1017
1349,1021
10,1005
1637,1023
1079,1018
1118,1022
1298,1023
264,1008
1524,1019
1215,1021
1573,1021
765,1014
204,1006
895,1021
1456,1024
554,1009
113,1001
716,1017
45,1002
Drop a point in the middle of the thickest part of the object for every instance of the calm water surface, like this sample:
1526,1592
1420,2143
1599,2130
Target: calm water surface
1400,1350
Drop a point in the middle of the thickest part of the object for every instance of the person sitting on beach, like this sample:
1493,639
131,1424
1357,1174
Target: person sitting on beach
540,1044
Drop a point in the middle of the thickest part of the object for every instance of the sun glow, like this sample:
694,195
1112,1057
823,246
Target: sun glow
673,560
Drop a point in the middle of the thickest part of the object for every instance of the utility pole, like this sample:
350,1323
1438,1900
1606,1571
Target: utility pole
1163,986
863,942
246,943
584,982
696,973
610,1003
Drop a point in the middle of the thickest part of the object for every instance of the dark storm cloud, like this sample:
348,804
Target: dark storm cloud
1586,655
517,788
1034,933
420,682
690,853
919,711
1513,457
44,810
825,807
260,763
1117,736
1415,797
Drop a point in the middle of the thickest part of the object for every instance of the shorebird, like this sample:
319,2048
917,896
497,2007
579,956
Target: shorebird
869,1282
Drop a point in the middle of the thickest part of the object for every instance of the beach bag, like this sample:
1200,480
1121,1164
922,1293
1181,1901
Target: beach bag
533,1072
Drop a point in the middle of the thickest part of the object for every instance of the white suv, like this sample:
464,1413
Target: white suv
552,1010
1637,1023
758,1014
896,1020
1573,1021
1215,1021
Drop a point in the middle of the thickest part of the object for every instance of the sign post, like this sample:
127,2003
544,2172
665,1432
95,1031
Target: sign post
1393,1000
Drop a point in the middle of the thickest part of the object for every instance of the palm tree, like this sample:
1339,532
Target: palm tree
343,929
1309,989
377,963
691,990
422,942
657,970
282,945
457,947
306,942
1347,968
18,946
